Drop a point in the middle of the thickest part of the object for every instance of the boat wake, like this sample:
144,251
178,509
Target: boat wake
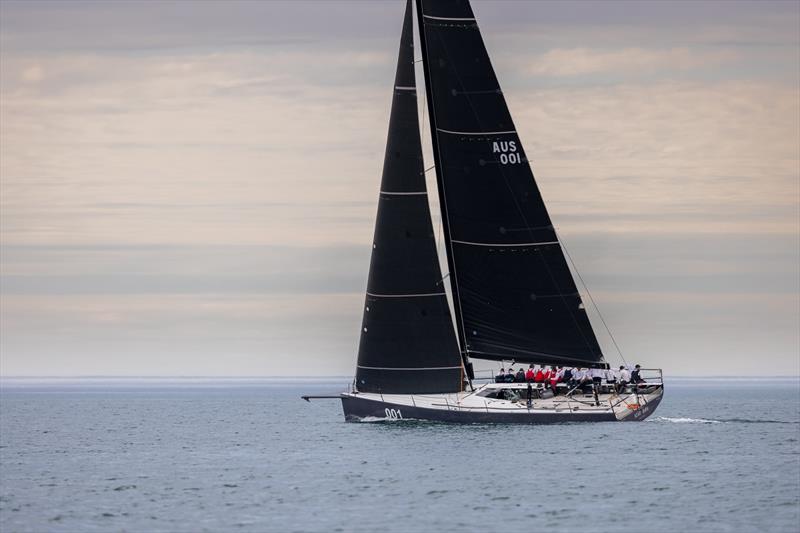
380,419
683,420
372,419
750,421
395,422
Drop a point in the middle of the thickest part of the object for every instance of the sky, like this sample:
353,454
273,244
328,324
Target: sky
190,188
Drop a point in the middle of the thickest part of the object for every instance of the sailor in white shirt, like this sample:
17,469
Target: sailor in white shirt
611,379
585,377
624,378
596,377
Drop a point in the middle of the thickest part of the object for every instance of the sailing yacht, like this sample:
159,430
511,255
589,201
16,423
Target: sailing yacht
513,296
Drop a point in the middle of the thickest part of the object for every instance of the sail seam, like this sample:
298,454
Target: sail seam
401,88
405,295
503,244
410,368
415,193
448,18
476,132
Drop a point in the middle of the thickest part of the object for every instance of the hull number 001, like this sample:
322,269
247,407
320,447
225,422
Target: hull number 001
394,414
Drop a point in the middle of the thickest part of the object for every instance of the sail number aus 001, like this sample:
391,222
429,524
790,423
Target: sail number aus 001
394,414
508,152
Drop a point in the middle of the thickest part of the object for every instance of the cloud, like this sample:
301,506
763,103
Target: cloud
179,334
582,61
205,131
175,269
713,157
32,74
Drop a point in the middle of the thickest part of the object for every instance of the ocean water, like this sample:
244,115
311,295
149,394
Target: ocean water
249,455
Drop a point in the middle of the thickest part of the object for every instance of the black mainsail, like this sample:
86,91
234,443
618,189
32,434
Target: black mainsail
408,345
514,296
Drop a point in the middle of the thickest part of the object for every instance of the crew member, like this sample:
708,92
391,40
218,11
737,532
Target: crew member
566,377
529,374
611,379
555,377
624,378
597,377
586,378
501,376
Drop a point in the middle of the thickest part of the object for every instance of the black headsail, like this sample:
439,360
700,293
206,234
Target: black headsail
407,340
514,295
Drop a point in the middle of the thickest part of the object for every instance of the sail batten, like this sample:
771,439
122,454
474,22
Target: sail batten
421,295
462,19
407,325
441,130
416,369
410,193
513,292
506,244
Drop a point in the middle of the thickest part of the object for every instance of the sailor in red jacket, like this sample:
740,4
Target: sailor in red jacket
529,374
539,377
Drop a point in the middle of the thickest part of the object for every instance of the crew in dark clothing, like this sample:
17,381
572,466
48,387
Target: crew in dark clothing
568,377
635,375
509,378
501,376
520,376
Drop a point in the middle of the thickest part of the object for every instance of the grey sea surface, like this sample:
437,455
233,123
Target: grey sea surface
249,455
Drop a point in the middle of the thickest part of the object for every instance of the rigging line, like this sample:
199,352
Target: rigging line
440,237
564,301
589,293
516,203
438,241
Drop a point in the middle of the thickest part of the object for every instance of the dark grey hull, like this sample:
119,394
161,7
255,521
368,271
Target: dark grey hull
357,409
